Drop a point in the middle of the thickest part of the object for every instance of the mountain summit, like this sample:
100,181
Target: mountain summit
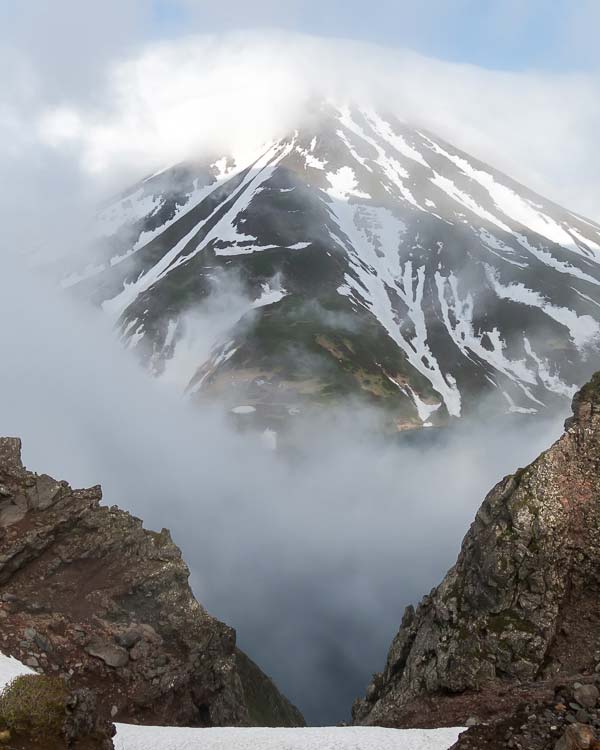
373,259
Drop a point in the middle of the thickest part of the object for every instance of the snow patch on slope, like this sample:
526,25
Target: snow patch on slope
384,129
550,380
395,172
269,296
457,314
378,275
224,230
343,184
516,207
583,329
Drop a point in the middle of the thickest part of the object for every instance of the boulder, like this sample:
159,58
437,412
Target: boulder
576,737
587,695
112,655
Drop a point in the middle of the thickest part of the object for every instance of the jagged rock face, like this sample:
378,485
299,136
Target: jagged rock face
376,260
88,593
522,602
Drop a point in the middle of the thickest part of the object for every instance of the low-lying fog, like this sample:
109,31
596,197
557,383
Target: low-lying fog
312,559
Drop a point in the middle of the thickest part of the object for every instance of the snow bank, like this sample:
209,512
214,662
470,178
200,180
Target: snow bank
315,738
11,668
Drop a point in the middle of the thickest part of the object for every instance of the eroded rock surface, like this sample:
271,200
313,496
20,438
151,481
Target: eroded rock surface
88,593
520,608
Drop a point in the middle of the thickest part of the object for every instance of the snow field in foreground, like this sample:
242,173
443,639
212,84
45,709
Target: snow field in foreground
132,737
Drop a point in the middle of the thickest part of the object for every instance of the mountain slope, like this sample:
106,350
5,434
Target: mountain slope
372,258
519,613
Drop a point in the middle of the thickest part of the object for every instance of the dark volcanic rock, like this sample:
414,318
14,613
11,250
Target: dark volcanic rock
83,727
266,705
521,607
86,592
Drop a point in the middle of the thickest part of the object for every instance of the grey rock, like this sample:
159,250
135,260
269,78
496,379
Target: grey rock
587,695
140,651
129,638
42,643
44,493
583,716
11,514
111,655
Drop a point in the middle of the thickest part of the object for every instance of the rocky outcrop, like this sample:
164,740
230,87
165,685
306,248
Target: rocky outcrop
521,607
570,721
86,592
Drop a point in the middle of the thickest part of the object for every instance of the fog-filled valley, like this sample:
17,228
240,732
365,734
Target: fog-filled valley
306,337
311,555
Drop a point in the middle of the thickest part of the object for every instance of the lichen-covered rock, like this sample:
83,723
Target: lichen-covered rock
37,712
87,593
522,603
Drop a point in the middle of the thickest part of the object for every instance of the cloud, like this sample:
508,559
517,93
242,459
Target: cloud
310,554
219,93
67,44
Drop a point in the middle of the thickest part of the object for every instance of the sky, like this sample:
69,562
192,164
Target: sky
515,35
496,34
113,85
96,94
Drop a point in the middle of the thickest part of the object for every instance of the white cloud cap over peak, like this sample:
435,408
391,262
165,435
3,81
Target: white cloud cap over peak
176,100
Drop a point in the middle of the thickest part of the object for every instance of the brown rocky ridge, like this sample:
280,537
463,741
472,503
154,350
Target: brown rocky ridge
88,594
562,724
515,623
